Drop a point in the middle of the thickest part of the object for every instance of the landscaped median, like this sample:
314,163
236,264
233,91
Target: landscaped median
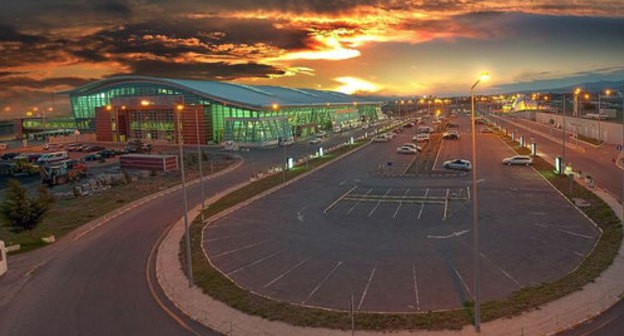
219,287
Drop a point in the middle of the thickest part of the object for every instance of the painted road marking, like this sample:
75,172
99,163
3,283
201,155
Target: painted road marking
422,206
462,280
229,236
370,279
416,287
501,270
576,234
338,200
239,249
400,203
286,273
256,262
378,203
358,202
322,282
446,204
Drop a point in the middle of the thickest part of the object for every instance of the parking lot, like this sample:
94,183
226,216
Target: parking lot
401,244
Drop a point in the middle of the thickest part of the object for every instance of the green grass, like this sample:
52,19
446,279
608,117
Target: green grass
215,284
68,214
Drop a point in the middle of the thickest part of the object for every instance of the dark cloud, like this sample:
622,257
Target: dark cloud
205,71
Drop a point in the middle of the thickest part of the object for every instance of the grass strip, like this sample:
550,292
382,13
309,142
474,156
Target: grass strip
68,214
215,284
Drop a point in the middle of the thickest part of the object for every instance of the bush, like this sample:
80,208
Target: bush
20,212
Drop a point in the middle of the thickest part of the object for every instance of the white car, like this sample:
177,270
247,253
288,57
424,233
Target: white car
421,137
451,135
406,150
381,138
524,160
458,164
321,134
315,140
287,142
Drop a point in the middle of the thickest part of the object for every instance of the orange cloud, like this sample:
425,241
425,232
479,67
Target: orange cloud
351,85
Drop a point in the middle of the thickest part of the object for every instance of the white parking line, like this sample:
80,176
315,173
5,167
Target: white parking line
576,234
462,280
229,236
256,262
286,273
370,279
399,206
422,206
322,282
416,287
378,203
339,199
239,249
501,270
358,202
446,199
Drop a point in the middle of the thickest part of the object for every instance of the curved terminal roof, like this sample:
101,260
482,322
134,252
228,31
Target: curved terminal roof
257,96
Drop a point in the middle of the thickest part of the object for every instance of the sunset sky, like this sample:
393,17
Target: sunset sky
361,46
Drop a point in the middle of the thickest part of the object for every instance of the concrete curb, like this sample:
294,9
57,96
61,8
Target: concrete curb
553,317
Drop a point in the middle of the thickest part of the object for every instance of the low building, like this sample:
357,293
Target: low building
158,109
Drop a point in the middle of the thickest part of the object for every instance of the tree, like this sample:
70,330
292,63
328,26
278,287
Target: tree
20,212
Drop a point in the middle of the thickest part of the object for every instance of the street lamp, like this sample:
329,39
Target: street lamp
475,223
187,238
201,168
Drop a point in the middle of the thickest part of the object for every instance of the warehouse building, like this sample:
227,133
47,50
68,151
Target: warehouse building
158,109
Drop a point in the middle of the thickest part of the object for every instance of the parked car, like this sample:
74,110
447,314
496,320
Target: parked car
406,150
381,138
287,142
321,134
92,157
452,125
75,147
458,164
486,130
8,156
524,160
315,140
91,148
53,146
450,135
107,153
421,137
29,157
424,129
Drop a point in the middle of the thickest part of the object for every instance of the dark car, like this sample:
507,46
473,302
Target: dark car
92,157
107,153
8,156
92,148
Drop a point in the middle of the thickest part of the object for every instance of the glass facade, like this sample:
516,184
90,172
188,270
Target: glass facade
222,121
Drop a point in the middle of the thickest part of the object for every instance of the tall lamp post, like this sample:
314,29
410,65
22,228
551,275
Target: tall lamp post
475,215
201,168
187,239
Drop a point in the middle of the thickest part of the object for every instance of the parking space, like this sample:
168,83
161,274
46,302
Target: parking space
397,203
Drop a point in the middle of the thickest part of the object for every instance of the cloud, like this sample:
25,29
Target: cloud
353,85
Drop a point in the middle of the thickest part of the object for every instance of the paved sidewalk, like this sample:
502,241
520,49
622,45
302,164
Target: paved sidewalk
549,319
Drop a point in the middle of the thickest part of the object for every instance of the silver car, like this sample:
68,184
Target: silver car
458,164
523,160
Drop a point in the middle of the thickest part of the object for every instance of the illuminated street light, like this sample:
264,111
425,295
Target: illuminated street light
475,223
187,238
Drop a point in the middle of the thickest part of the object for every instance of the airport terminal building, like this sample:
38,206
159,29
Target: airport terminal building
157,109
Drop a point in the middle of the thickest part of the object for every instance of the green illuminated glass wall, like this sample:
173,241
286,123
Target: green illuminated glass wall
223,121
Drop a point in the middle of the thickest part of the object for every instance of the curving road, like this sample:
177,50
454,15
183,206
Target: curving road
97,284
